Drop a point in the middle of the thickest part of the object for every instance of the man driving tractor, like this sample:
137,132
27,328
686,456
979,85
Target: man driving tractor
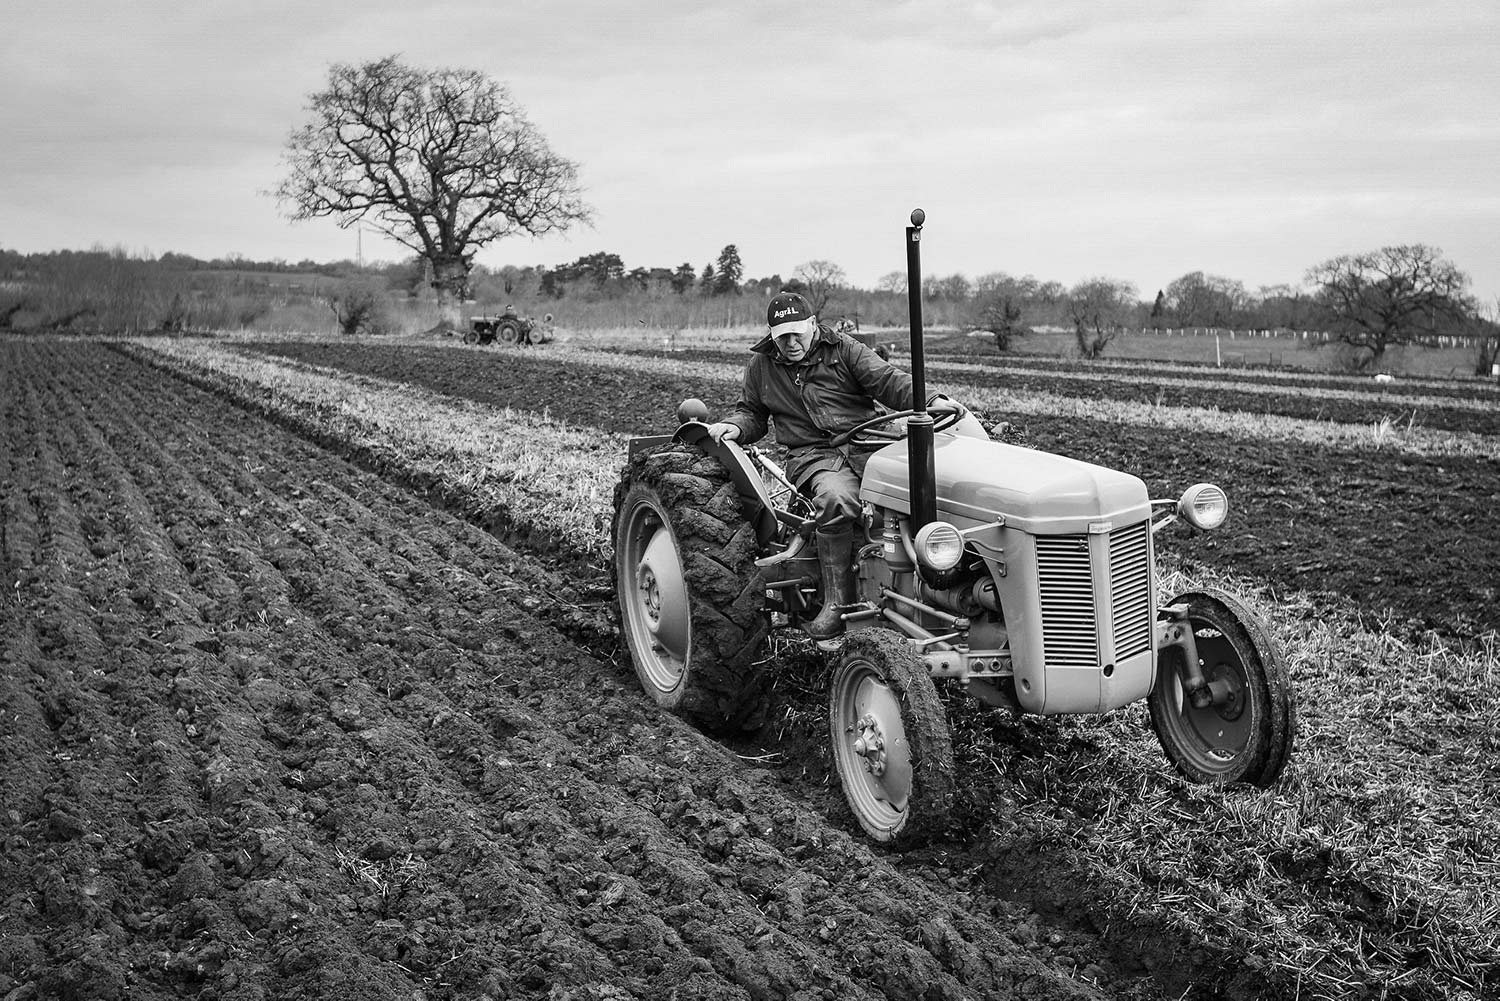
815,383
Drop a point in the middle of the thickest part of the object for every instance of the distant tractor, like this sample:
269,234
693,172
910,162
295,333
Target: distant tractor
850,326
509,327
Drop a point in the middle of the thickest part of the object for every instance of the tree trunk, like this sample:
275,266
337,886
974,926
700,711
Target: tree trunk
1487,354
9,312
450,279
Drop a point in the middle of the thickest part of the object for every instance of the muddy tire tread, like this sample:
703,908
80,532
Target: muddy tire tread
725,687
934,788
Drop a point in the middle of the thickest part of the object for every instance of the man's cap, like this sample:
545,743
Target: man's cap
789,313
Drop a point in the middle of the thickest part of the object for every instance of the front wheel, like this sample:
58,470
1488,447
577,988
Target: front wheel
691,597
1246,734
891,745
471,336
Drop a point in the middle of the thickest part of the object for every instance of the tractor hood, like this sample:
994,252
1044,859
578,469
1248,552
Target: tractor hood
980,481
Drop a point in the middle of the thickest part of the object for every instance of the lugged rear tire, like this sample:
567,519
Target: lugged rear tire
691,598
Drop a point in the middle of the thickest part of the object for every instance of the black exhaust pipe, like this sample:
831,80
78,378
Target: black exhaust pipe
923,483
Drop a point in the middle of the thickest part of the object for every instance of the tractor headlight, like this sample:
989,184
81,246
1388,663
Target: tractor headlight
1204,505
939,546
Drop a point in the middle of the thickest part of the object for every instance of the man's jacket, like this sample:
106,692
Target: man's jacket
829,391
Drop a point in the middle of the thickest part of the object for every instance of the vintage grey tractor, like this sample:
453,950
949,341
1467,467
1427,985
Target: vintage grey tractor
1028,578
508,327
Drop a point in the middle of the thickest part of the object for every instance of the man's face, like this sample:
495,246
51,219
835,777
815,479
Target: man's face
795,345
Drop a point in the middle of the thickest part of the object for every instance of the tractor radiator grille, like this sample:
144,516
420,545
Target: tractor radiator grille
1066,585
1130,589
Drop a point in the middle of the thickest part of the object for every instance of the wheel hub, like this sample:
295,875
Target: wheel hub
654,601
870,744
1227,689
662,594
650,591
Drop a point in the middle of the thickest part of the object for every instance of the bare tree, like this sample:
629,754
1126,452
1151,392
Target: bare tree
1390,296
1099,308
954,287
1202,300
1484,330
1000,313
1284,306
358,309
9,310
443,161
819,280
893,282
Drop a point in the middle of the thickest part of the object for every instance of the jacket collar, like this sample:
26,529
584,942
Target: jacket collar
766,346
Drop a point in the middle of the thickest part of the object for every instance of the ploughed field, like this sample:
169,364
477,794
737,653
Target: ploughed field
300,703
1410,535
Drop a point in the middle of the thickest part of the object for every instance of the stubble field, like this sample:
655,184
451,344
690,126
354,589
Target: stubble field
311,689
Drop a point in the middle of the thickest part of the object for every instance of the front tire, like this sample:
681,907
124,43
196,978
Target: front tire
891,746
471,336
1248,738
691,598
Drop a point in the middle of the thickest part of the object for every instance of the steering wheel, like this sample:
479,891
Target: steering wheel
865,435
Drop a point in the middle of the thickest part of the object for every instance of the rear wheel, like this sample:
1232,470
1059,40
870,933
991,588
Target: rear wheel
691,598
891,745
509,332
1246,736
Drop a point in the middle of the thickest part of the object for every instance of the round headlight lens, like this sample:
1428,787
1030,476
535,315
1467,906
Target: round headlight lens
1204,505
939,546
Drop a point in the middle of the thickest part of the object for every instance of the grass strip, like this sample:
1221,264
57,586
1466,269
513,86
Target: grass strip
1381,436
1385,436
1210,381
561,476
945,347
1197,380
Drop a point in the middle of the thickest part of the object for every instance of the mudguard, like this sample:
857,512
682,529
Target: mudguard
755,500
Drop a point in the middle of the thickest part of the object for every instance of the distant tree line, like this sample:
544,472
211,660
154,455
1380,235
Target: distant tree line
1371,302
605,274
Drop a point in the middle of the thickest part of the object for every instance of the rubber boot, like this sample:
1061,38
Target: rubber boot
834,556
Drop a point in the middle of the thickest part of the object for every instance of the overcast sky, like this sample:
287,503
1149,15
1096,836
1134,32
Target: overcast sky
1064,139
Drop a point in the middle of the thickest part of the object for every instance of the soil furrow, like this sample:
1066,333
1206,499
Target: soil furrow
238,771
361,614
366,584
81,830
597,740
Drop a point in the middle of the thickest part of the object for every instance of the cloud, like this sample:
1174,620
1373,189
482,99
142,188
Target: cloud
1063,138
